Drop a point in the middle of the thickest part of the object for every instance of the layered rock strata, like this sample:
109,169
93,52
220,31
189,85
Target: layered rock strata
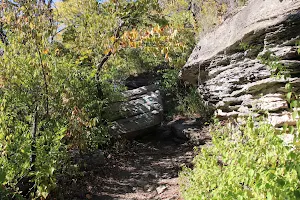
141,109
229,67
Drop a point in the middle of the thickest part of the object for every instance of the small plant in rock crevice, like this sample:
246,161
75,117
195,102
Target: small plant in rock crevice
191,104
281,71
182,100
241,2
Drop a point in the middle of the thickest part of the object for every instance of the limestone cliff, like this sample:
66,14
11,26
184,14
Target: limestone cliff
225,63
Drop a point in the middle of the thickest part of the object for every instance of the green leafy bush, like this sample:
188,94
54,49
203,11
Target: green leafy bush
191,103
180,99
249,162
48,104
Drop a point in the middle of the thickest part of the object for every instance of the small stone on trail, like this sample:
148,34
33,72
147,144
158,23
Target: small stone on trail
88,196
161,189
149,188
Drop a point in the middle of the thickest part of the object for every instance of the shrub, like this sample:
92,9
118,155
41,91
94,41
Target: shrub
190,103
180,99
249,162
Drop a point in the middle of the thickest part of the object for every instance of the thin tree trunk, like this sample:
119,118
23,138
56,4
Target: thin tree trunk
3,37
104,60
33,137
97,75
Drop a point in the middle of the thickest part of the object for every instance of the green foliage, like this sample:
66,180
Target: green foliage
241,2
298,46
246,162
182,100
120,29
211,14
48,103
197,16
31,125
50,75
293,99
281,71
278,69
245,46
170,81
249,161
63,64
190,103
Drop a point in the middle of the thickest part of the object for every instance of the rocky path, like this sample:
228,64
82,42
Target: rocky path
137,170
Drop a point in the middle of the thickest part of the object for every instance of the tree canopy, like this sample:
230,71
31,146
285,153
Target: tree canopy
61,64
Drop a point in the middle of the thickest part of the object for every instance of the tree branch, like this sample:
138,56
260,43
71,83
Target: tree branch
33,137
104,60
3,36
44,78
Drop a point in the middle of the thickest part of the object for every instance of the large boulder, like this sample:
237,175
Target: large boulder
140,110
226,64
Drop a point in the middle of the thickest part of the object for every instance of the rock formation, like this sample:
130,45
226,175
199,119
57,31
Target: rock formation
141,110
226,63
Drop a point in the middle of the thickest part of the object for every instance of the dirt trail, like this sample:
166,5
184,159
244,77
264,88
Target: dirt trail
142,170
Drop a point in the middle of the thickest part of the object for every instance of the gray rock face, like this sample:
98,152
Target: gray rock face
251,22
279,119
227,67
142,109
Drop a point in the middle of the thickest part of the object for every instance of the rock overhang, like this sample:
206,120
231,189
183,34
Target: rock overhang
245,26
229,72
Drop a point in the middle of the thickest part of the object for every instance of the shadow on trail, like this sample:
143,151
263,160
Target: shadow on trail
145,169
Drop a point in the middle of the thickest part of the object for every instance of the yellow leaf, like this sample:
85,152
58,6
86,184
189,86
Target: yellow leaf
113,39
125,34
107,51
31,25
131,44
156,29
134,34
167,56
46,51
